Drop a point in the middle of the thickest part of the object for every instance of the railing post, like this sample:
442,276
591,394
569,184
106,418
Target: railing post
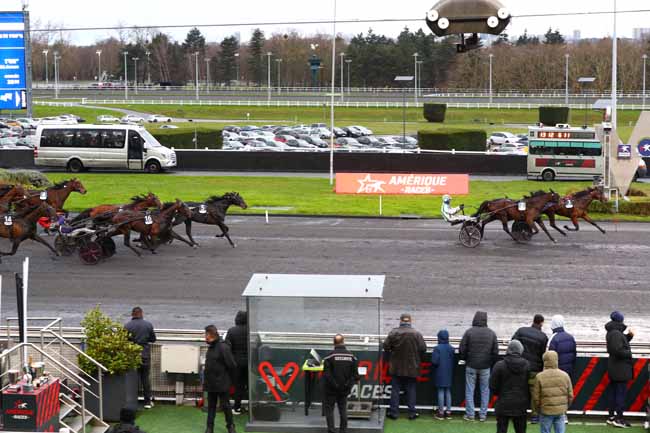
83,408
101,393
61,338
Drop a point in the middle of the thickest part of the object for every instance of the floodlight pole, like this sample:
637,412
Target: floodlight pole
333,83
342,76
415,56
268,57
99,65
614,73
645,61
566,86
47,75
126,76
491,96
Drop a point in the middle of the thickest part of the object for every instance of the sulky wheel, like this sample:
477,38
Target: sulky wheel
470,235
63,246
90,253
521,232
108,246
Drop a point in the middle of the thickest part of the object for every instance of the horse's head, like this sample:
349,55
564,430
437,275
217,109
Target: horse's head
183,209
555,197
75,185
235,199
152,200
598,193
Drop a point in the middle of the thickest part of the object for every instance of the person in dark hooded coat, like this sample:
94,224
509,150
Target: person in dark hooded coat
442,363
237,338
509,383
620,367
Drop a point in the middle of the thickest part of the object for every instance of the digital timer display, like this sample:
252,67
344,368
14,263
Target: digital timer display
566,135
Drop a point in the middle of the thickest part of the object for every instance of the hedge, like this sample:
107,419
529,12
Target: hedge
551,116
638,208
448,139
435,113
184,138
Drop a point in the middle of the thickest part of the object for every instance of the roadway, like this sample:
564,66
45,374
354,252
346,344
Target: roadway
584,277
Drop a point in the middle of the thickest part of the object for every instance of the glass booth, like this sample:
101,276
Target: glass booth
292,321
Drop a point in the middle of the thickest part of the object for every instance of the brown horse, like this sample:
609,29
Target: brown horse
107,211
23,227
506,210
11,194
57,194
574,207
150,226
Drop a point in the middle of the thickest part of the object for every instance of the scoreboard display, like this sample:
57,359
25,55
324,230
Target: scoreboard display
566,135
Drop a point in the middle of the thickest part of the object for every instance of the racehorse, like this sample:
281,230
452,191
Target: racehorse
212,212
23,226
150,226
57,194
107,211
10,194
575,206
508,210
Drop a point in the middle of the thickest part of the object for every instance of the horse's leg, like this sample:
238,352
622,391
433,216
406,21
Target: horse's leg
590,221
551,218
14,247
181,238
188,231
224,228
540,222
504,221
37,238
574,220
127,243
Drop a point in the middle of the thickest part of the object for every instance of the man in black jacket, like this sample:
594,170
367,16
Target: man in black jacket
479,348
237,338
219,366
535,343
620,367
340,374
509,382
143,334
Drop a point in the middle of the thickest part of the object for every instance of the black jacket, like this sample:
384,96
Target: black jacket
535,342
620,365
237,338
509,382
219,367
142,333
406,347
479,347
341,371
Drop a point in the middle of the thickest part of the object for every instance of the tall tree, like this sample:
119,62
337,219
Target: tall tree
228,60
554,37
194,41
256,52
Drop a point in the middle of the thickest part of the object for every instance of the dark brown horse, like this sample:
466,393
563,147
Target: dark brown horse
56,194
23,226
11,194
150,226
506,210
212,212
574,207
107,211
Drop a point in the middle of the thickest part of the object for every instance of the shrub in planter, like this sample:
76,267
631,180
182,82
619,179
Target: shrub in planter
435,113
551,116
25,177
448,139
184,138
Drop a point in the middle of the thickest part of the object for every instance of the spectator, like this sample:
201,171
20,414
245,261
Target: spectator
237,337
479,349
442,362
143,334
552,395
126,424
406,347
509,383
564,344
619,367
535,343
339,376
219,366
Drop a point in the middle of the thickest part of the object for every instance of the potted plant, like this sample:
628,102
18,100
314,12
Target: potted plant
108,343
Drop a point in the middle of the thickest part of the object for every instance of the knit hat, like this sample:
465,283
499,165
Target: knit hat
515,348
405,318
557,321
617,317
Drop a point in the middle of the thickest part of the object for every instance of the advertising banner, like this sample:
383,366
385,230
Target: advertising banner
13,82
402,184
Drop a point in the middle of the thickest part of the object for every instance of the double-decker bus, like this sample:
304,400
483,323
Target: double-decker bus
562,151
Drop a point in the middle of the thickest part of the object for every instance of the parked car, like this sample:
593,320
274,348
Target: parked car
290,132
284,138
323,133
642,171
407,141
231,128
315,140
231,136
258,146
132,118
388,141
107,118
352,132
250,128
318,125
370,141
499,138
348,142
249,134
362,129
299,144
73,116
58,121
158,118
27,123
511,149
338,132
233,145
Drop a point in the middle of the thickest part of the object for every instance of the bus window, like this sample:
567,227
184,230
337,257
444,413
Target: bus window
113,139
88,138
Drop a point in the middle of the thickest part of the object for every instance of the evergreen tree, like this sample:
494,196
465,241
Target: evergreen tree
228,60
553,37
503,39
256,52
194,41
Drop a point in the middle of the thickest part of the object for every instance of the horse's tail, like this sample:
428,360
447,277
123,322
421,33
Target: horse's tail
481,209
82,216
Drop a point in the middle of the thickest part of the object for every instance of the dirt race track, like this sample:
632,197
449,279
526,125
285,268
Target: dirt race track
584,276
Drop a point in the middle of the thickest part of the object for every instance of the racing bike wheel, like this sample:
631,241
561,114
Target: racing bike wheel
63,246
521,232
470,235
90,253
108,246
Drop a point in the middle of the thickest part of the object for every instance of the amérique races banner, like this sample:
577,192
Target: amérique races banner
402,184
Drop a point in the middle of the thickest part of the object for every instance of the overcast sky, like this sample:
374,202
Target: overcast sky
145,13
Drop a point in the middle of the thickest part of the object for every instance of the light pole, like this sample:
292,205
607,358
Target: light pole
135,72
333,83
566,82
342,76
237,77
126,76
420,62
148,54
348,61
56,75
614,73
645,61
196,74
491,97
279,62
405,80
207,75
415,56
47,75
99,65
268,58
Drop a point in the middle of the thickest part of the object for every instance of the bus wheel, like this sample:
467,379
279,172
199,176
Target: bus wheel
152,167
75,166
548,176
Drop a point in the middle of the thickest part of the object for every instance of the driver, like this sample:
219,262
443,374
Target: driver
452,214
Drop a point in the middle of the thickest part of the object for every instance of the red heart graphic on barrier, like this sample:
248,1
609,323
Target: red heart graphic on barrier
267,372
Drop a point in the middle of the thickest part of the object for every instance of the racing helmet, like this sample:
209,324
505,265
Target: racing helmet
446,199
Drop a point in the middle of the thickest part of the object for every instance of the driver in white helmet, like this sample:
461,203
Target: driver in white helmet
452,214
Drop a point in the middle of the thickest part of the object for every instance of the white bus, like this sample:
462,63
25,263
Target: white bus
563,151
81,147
